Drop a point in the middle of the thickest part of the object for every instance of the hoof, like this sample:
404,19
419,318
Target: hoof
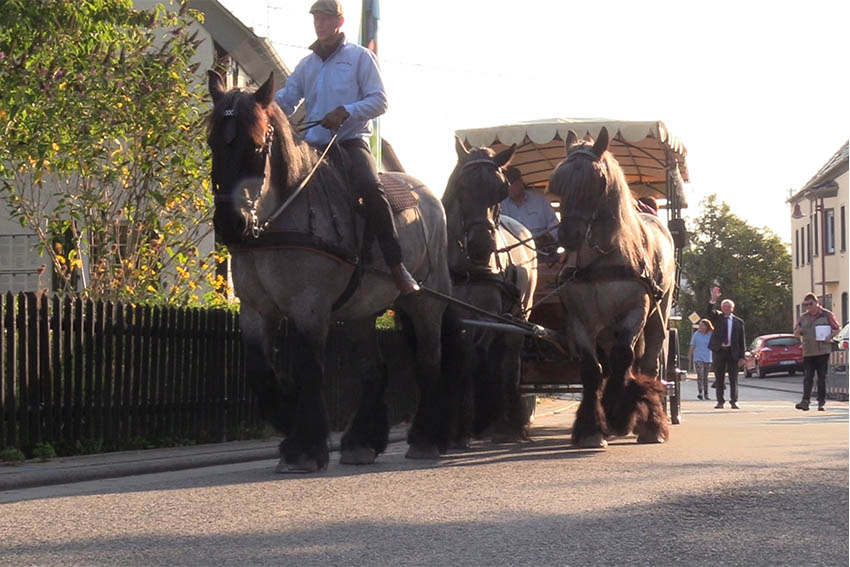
650,438
304,465
595,441
419,452
358,456
459,444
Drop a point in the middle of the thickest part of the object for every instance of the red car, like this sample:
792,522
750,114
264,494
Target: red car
774,353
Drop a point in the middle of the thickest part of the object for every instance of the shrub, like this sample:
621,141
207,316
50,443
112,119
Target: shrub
43,452
12,456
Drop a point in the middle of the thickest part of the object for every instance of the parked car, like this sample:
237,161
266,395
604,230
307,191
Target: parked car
774,353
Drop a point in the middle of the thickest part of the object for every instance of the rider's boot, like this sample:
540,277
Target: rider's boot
403,280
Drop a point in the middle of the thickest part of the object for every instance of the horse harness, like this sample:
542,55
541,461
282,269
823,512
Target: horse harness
498,279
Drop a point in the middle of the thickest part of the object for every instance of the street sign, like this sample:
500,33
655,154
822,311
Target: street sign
694,318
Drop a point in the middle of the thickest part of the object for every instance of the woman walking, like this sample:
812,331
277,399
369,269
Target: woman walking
700,355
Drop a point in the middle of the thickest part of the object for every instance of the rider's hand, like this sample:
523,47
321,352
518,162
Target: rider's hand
334,119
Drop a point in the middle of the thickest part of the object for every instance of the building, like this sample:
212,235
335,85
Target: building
228,45
819,237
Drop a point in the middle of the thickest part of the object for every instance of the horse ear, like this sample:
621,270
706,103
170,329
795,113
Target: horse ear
601,144
264,95
461,149
216,85
572,138
505,156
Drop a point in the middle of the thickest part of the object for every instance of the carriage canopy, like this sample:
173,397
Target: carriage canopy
652,158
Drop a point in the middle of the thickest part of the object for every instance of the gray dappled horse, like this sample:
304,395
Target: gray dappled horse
617,288
492,270
300,268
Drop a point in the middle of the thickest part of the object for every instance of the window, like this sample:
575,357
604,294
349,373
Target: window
844,308
797,248
843,229
808,244
816,231
782,341
829,231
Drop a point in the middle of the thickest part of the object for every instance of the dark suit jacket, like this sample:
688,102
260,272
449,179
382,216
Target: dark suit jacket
738,344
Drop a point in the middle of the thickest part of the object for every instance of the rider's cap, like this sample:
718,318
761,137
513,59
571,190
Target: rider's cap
332,7
513,174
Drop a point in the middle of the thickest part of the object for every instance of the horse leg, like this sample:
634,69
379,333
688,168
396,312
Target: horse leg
510,426
368,434
651,420
618,399
427,435
275,393
305,450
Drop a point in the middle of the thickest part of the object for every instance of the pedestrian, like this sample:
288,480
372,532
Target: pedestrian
816,327
700,356
342,91
727,345
531,209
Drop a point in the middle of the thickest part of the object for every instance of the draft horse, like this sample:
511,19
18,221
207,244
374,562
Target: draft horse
299,262
492,269
617,288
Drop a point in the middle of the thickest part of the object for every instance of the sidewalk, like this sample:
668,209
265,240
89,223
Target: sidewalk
127,463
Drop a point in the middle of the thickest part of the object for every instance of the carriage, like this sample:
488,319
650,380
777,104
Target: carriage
653,161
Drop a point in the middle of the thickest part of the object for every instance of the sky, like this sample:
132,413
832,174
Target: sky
757,91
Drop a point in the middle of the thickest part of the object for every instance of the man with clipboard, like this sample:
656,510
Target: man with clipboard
816,327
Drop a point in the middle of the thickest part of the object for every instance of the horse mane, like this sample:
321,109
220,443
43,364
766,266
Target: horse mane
581,182
294,156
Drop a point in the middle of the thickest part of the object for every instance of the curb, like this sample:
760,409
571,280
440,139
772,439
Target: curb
129,463
80,469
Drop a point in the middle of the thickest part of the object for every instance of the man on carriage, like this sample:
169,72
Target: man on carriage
342,91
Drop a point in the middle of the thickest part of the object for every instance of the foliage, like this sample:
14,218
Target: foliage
752,266
43,452
102,117
11,456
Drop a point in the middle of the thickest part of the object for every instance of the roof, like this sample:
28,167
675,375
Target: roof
835,166
642,148
253,53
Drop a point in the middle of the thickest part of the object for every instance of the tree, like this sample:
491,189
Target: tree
752,267
103,154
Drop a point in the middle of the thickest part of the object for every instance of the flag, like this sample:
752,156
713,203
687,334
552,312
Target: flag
369,17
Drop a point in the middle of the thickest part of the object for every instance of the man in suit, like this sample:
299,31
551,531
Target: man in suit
727,344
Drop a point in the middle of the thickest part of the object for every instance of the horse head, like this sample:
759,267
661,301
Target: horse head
254,156
584,185
476,187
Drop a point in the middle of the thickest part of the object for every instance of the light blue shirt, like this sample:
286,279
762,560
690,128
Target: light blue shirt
700,343
535,212
349,78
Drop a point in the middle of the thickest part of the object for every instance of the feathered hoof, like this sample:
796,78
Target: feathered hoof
506,438
595,441
305,465
650,438
461,444
358,456
420,452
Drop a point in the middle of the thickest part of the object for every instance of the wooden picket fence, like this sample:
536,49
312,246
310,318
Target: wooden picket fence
73,370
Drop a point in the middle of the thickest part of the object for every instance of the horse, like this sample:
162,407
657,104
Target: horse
493,267
617,287
295,238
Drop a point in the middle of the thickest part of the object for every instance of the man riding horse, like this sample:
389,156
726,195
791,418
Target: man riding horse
342,91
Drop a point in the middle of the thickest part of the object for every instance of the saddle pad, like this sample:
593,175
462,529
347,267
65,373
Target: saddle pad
399,191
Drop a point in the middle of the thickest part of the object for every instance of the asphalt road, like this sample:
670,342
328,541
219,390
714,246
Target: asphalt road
764,485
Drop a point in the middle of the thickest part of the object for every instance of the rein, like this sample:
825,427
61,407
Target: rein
256,228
